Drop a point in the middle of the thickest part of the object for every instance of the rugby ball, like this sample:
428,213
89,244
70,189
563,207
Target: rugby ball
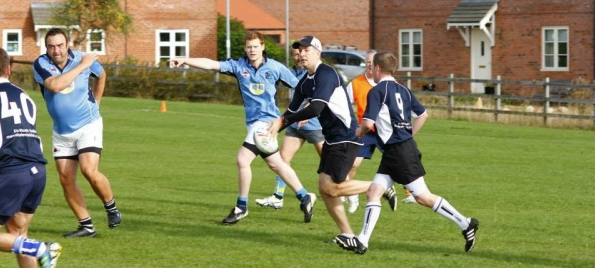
265,142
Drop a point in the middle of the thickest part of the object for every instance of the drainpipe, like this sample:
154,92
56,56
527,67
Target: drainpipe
126,35
372,22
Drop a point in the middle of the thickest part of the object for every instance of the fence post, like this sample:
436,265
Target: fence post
117,69
409,80
451,97
546,97
497,99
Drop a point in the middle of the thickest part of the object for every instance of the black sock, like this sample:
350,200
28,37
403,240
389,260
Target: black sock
86,223
110,205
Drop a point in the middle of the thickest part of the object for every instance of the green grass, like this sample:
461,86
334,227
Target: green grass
174,178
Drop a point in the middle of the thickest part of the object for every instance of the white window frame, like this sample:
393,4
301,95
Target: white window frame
102,42
172,44
410,55
556,54
5,43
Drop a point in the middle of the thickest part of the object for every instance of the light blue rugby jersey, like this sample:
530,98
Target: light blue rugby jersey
257,86
75,106
313,123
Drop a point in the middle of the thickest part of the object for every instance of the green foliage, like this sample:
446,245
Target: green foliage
174,177
237,32
104,15
169,84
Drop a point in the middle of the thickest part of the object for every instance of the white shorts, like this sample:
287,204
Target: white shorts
88,136
251,128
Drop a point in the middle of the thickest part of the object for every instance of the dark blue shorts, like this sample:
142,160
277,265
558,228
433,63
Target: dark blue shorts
21,189
370,144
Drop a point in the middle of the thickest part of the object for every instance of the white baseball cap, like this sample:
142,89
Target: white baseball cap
308,41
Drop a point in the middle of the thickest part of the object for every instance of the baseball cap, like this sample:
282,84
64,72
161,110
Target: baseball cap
308,41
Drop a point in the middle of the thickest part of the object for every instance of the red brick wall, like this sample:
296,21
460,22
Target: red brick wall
333,22
199,16
517,51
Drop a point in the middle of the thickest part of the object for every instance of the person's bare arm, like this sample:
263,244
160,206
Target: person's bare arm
99,87
202,63
60,82
418,122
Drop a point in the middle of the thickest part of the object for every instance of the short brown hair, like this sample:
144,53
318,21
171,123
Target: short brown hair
387,62
4,62
55,31
251,35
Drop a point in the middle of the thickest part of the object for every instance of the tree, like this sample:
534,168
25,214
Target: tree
236,37
106,15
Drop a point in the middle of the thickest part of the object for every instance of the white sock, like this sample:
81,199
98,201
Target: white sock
444,208
370,219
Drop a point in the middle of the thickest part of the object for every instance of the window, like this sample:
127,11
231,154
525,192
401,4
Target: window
334,57
171,44
96,41
555,49
410,50
12,42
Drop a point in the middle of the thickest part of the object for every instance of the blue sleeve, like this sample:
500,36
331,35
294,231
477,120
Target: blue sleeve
228,67
96,69
39,71
416,106
326,82
374,103
287,77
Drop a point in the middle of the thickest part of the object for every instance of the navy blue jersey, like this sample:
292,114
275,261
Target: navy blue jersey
337,120
390,107
19,142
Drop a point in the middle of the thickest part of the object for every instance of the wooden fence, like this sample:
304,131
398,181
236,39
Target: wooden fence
551,93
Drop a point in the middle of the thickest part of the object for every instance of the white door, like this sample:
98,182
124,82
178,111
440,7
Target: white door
481,59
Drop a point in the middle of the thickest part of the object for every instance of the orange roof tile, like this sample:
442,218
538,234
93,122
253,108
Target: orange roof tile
251,15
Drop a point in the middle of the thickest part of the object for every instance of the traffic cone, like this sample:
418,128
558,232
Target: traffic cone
163,108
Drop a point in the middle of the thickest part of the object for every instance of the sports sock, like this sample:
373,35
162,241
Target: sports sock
27,246
371,216
444,208
301,193
110,205
242,203
279,187
87,223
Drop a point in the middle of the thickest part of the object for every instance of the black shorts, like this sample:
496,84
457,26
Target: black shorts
336,160
402,162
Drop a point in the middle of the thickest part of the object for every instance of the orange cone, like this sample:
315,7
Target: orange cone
163,108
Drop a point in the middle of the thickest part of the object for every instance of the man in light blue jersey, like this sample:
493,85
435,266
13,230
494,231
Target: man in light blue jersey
63,76
22,174
257,76
390,109
295,137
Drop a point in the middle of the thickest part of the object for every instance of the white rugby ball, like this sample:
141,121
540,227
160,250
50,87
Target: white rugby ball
265,142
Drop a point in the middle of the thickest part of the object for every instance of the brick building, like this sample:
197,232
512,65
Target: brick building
162,29
519,40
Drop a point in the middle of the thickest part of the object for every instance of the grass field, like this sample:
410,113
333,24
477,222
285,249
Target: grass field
175,179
